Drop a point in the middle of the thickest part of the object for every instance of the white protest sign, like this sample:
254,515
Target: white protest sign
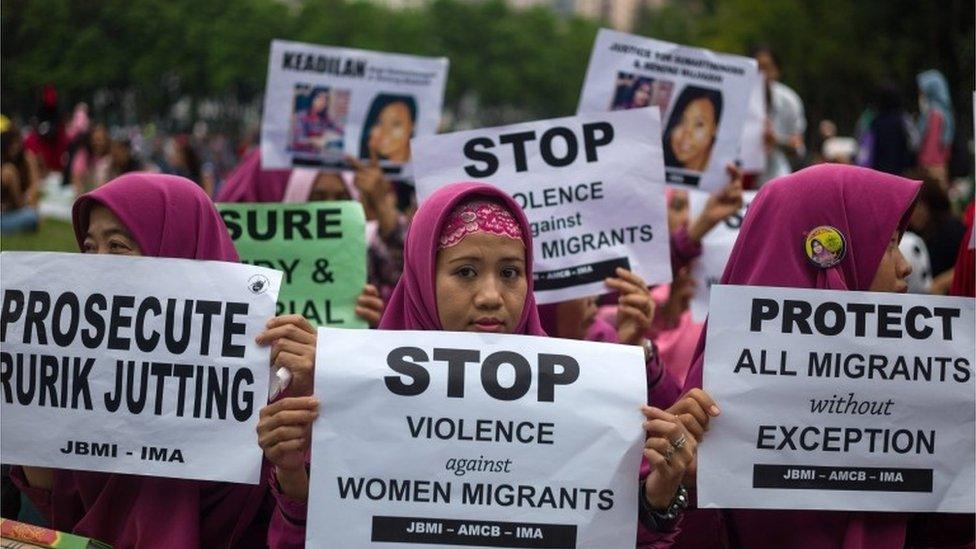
703,96
591,187
322,103
134,365
433,438
716,248
839,400
752,153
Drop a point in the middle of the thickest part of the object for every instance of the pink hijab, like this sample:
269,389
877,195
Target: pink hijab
251,183
413,305
168,216
866,206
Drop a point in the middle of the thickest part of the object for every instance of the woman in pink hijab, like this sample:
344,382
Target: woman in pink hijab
468,267
770,252
161,216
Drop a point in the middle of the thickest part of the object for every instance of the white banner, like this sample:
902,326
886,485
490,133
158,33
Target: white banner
839,400
591,187
428,439
134,365
322,103
716,249
703,97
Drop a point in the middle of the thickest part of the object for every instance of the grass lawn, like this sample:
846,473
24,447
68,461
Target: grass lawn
53,236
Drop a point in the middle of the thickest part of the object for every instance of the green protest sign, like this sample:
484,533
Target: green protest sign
321,248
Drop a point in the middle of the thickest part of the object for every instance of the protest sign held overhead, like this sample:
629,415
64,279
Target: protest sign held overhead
716,248
323,103
499,440
839,400
320,247
703,97
591,187
134,365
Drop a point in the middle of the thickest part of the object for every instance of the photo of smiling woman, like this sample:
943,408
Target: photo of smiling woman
691,131
388,128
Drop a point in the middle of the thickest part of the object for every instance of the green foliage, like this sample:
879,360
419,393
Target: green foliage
833,53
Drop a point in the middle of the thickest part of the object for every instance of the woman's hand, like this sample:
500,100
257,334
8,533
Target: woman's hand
635,310
719,206
285,434
375,192
369,305
694,410
670,449
679,298
292,339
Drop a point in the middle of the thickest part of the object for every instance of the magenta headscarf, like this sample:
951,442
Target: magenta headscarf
250,183
167,215
867,207
413,305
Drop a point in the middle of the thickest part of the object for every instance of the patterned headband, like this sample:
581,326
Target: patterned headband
478,216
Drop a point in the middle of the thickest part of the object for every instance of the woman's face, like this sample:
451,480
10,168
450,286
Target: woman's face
678,210
893,269
107,235
817,247
328,186
390,136
481,284
320,102
692,138
574,317
642,95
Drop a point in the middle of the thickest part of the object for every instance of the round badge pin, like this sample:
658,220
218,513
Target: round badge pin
825,246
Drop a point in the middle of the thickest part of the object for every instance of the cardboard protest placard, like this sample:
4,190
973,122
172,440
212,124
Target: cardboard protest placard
322,103
716,249
135,365
703,96
839,400
319,246
590,186
468,439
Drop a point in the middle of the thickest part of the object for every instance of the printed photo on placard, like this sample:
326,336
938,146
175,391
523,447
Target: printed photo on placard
324,104
318,121
702,95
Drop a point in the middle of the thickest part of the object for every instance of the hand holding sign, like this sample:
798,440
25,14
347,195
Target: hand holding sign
369,305
292,340
670,449
721,204
635,310
285,433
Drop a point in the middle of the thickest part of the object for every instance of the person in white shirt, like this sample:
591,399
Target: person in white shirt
785,120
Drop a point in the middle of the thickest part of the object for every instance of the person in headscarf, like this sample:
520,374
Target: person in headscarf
386,226
935,124
162,216
769,252
468,267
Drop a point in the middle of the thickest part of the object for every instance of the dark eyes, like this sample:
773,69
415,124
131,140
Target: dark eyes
507,273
